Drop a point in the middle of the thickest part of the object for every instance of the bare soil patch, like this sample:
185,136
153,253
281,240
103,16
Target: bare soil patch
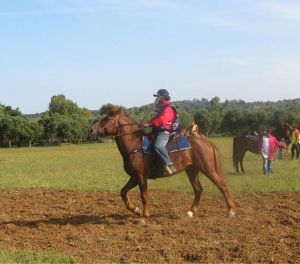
95,227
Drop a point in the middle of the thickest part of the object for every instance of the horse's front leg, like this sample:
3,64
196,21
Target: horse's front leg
128,186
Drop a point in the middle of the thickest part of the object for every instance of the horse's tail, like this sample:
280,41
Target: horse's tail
218,160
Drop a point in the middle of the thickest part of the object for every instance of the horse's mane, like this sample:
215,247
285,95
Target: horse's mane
277,132
119,111
283,126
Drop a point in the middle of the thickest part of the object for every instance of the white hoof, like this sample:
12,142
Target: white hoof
190,214
138,211
231,213
141,221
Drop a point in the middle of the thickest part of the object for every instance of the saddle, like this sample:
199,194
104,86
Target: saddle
252,137
178,150
176,143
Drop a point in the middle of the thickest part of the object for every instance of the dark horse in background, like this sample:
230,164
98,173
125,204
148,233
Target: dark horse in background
202,156
244,143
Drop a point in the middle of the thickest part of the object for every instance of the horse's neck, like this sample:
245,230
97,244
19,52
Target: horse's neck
276,134
127,139
280,133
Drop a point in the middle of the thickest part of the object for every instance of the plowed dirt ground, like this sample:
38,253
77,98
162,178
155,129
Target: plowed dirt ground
95,227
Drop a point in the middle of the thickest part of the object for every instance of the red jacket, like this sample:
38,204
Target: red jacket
267,146
165,117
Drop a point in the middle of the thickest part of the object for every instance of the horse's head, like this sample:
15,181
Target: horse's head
285,131
107,126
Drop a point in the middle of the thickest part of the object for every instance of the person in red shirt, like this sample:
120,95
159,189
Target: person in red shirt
267,146
161,125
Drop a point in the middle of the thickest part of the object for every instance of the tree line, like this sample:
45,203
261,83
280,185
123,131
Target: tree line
65,121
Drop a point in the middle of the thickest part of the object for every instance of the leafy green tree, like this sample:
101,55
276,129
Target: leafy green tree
64,129
294,111
65,121
49,124
233,121
33,131
61,105
209,121
8,110
6,126
186,118
215,104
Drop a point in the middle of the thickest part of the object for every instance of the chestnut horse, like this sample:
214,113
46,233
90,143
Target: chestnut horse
244,143
202,156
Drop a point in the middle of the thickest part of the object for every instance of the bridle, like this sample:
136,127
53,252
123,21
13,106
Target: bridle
117,128
117,134
284,132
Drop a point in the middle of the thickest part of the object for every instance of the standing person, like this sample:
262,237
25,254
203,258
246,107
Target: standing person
267,147
280,152
161,125
195,129
295,142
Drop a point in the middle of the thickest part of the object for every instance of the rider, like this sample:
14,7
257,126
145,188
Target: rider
161,125
195,129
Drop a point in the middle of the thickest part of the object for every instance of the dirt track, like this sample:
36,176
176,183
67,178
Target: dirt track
94,226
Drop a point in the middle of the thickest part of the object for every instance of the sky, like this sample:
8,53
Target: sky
122,51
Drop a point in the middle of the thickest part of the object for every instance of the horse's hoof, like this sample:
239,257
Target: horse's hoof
138,211
190,214
141,222
231,213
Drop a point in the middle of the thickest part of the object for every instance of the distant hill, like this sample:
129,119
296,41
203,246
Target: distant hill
32,115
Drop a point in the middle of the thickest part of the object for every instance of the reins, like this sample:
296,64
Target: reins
119,126
132,151
126,134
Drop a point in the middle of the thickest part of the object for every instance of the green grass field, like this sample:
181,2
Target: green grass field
96,167
30,256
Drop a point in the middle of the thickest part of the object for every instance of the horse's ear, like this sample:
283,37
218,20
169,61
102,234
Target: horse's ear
286,126
114,111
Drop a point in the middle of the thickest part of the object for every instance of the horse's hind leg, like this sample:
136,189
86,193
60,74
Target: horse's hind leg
242,165
241,162
219,181
236,166
197,187
143,192
128,186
